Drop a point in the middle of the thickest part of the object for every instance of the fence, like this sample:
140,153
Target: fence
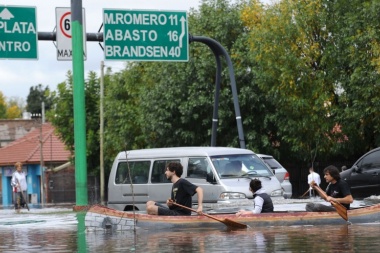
299,172
61,188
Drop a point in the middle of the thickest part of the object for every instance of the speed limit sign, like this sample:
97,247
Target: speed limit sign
64,46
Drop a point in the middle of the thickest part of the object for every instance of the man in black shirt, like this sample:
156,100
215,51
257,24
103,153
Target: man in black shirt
182,191
337,191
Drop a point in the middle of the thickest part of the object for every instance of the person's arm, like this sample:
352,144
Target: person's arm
199,191
259,202
346,200
309,179
14,181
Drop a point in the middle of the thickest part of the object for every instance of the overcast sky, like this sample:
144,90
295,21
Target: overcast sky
17,76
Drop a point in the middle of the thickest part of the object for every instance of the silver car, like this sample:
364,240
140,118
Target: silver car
280,172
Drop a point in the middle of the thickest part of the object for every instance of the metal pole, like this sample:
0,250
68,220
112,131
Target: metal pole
215,46
79,104
42,160
101,132
215,117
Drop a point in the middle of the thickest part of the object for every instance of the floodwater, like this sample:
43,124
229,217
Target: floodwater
61,230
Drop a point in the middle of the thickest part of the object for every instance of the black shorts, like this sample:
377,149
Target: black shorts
168,212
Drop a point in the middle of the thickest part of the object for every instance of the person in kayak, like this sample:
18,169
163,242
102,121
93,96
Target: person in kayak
182,192
261,200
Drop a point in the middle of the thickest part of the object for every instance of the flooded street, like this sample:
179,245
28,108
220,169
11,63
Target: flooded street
61,230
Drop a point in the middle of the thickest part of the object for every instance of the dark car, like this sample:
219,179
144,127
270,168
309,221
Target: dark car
364,176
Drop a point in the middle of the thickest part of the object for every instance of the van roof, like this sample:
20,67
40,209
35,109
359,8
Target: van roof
182,151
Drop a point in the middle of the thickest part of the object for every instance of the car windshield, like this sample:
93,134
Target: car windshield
229,166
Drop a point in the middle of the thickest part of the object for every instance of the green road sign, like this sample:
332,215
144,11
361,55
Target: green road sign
145,35
18,32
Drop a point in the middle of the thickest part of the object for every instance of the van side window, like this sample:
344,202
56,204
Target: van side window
158,171
197,167
139,172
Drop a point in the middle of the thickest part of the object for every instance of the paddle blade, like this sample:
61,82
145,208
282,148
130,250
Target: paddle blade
234,224
342,211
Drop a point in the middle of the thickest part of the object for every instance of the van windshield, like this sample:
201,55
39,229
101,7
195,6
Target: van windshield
228,166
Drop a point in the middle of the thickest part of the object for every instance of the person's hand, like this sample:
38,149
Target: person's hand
169,202
199,209
330,199
240,212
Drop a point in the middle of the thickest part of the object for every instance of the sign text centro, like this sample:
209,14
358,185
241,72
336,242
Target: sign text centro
18,32
145,35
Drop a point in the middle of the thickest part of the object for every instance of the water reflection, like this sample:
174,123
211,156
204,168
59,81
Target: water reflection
65,232
351,238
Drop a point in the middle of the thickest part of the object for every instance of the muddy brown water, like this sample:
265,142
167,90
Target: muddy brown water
57,231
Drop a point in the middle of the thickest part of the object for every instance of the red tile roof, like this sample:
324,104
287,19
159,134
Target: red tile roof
27,149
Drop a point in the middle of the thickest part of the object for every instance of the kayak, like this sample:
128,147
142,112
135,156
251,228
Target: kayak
100,217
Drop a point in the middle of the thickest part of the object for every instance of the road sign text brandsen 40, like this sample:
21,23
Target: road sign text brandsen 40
18,32
145,35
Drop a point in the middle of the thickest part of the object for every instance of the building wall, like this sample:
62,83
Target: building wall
59,186
32,178
11,130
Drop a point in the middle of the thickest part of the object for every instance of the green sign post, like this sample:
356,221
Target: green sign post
18,32
145,35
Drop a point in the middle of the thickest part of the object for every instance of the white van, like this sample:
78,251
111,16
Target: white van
223,173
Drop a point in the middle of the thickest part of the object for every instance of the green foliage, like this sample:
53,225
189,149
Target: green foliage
307,74
3,106
36,96
61,116
171,104
10,108
357,69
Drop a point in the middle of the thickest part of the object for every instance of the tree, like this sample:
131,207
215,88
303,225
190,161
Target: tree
171,104
357,69
3,106
178,98
14,112
62,117
289,41
10,108
36,96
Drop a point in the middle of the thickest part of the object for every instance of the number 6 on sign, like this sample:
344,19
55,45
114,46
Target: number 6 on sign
65,24
64,46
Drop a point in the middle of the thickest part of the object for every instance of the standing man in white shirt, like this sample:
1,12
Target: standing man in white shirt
313,176
19,185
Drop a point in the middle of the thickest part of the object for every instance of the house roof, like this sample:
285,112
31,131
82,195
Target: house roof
27,148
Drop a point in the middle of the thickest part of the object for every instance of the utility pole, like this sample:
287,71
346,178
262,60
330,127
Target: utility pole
42,155
101,133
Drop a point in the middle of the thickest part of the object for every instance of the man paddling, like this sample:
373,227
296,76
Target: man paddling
261,200
182,191
337,191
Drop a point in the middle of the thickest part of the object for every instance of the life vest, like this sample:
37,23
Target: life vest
268,204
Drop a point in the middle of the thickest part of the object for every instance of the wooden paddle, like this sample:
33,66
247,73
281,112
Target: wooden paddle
303,195
229,223
342,211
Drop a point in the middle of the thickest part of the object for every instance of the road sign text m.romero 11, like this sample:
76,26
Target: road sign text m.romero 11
145,35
